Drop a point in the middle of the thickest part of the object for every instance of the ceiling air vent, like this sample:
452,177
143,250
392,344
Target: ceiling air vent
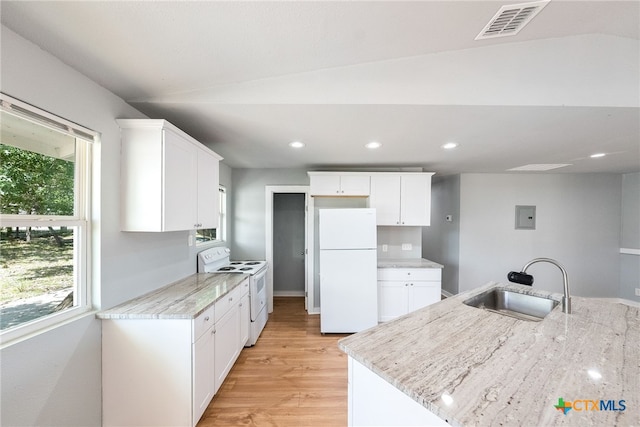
510,19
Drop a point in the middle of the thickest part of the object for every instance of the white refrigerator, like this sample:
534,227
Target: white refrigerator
348,270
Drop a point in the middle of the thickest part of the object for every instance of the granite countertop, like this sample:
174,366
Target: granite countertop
499,371
407,263
184,299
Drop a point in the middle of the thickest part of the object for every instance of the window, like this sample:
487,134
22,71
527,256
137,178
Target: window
213,234
44,212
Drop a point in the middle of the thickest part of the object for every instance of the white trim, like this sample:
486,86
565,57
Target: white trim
86,236
269,191
446,294
628,251
288,293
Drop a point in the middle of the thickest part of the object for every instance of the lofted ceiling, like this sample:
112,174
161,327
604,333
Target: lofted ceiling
247,78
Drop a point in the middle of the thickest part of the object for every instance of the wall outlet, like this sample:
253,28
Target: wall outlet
385,248
406,246
638,292
190,239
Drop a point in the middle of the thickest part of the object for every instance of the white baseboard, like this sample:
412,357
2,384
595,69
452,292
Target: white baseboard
288,293
445,294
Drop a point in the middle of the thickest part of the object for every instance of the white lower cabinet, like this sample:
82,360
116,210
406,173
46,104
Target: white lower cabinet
373,401
245,320
203,367
403,290
166,371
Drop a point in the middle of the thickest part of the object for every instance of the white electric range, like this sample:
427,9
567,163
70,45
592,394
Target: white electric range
217,260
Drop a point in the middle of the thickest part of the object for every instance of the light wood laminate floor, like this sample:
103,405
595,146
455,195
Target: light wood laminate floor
293,376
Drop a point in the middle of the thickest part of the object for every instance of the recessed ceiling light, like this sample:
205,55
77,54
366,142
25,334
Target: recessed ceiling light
450,145
296,144
373,145
595,156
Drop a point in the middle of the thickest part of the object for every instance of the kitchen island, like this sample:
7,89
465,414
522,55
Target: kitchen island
465,366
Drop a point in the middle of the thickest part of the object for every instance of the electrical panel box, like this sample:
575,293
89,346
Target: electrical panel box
525,217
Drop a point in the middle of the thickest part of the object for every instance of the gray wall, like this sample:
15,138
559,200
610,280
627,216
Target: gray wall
441,240
630,236
578,224
54,378
248,207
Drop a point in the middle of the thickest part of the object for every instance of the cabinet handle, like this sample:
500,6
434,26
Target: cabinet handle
206,319
230,299
397,222
240,305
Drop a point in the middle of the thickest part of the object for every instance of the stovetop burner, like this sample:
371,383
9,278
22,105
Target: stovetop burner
252,263
226,268
246,269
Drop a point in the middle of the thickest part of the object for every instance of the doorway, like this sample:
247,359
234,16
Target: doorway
288,244
273,192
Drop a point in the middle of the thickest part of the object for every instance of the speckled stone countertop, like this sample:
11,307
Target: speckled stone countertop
184,299
499,371
407,263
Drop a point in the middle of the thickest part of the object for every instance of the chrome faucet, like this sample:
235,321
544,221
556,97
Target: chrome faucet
527,279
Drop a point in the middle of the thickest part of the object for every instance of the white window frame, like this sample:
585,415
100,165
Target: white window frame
221,231
80,220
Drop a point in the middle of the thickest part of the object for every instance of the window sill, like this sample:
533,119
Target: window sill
42,326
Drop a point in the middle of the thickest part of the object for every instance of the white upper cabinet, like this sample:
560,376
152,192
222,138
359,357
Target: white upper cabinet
338,184
401,198
169,180
208,180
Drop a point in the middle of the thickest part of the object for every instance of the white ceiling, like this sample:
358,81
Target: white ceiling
247,78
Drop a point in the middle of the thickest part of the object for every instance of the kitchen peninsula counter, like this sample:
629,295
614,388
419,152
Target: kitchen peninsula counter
184,299
472,367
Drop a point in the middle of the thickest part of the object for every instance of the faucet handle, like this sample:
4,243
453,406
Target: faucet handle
522,278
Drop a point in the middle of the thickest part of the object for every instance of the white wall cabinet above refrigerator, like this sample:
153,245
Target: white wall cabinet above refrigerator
338,184
401,198
168,178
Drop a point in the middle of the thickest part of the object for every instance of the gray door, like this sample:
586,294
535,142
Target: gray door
288,244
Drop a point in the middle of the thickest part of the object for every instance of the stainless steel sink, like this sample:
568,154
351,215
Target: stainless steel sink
513,304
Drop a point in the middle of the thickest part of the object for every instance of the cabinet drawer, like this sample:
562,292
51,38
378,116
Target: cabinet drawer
409,274
203,322
244,287
224,304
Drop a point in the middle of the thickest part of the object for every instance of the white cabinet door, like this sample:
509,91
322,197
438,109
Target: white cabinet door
392,300
245,320
325,185
354,185
227,346
385,198
203,373
208,181
415,200
336,184
401,199
179,182
422,294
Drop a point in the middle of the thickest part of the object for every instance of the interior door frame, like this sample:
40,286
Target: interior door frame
269,191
